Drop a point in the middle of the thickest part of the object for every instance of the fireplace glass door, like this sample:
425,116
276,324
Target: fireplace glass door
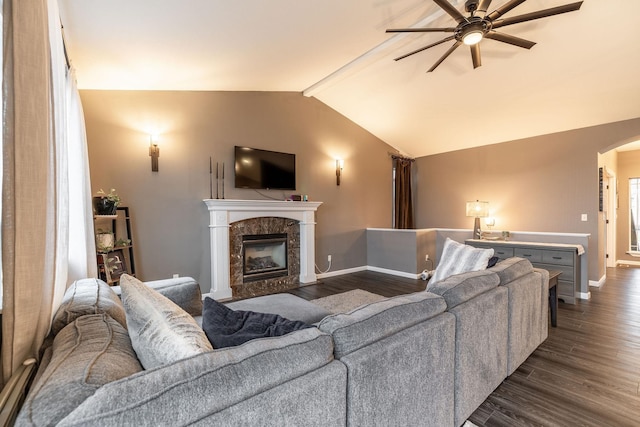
264,256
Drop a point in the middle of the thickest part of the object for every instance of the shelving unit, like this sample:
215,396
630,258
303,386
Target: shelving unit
119,260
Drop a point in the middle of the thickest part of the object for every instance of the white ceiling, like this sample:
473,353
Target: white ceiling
582,72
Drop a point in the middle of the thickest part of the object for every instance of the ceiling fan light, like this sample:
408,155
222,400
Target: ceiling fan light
472,37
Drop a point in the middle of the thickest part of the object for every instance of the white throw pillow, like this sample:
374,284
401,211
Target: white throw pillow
160,331
457,258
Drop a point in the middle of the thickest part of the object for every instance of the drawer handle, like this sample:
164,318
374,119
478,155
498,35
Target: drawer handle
529,255
557,257
501,253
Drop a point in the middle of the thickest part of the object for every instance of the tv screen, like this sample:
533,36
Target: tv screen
262,169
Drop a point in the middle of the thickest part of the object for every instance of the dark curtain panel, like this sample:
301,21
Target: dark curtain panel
403,202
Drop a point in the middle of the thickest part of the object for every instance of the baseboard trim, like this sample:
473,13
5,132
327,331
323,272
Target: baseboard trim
393,272
598,284
583,295
369,268
342,272
627,262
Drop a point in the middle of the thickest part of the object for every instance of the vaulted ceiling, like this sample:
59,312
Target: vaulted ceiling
582,71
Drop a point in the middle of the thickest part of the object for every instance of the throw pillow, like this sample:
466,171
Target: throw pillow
492,261
227,328
160,331
457,258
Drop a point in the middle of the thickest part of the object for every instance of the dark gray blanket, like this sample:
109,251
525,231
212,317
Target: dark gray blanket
227,328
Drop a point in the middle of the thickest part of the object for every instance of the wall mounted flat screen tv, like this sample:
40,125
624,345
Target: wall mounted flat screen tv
266,170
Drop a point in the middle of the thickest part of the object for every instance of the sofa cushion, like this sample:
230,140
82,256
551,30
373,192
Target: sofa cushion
286,305
457,258
192,389
184,291
372,322
463,287
227,328
91,351
511,269
160,331
88,296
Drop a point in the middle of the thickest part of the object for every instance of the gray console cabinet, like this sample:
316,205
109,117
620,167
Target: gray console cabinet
550,256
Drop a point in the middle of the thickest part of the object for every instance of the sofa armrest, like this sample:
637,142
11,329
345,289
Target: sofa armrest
184,291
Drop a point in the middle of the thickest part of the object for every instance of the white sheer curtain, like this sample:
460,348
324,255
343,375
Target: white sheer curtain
82,244
47,228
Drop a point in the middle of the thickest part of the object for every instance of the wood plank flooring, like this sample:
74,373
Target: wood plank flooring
587,373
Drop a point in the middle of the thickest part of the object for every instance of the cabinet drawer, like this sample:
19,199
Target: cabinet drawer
533,255
558,257
503,253
566,270
565,289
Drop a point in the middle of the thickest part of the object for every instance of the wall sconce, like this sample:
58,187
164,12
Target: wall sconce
477,210
154,152
339,167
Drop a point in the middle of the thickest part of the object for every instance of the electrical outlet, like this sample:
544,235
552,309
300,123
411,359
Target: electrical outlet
583,217
328,258
426,257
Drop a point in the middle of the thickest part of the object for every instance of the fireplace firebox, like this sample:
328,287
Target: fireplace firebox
264,256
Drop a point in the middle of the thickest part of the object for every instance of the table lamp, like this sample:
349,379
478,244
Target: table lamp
477,210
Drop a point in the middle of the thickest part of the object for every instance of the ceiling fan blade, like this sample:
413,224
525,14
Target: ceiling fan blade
443,57
506,38
483,6
446,39
504,9
537,15
475,55
421,30
448,7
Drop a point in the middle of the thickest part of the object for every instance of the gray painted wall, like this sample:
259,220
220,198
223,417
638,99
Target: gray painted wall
539,184
170,220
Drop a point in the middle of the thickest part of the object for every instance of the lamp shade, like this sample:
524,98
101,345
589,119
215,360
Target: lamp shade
478,209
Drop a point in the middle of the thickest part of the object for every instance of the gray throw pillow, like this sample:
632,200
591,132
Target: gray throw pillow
160,331
91,351
88,296
457,258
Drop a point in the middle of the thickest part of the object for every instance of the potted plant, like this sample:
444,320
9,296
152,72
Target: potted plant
104,240
106,204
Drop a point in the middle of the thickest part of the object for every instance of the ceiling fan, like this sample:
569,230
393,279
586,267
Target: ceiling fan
479,25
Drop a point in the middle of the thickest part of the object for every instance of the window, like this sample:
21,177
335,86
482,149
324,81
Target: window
634,213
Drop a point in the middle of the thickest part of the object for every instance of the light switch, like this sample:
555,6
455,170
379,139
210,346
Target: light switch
584,217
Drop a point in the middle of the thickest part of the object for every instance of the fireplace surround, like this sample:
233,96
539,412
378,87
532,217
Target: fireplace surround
223,213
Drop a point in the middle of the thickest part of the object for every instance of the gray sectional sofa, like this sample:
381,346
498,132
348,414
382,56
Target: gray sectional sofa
427,358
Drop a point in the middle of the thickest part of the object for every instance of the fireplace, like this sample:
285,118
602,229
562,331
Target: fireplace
264,256
228,222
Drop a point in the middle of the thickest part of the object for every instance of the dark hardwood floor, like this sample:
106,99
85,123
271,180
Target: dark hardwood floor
587,373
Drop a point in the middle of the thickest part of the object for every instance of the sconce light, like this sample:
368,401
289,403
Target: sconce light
477,210
339,167
154,152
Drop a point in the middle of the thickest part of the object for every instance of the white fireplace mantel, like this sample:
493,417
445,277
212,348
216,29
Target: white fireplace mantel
223,212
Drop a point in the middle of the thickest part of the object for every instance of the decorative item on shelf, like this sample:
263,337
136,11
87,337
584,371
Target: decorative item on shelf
506,235
122,243
477,210
339,167
154,152
104,240
106,204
